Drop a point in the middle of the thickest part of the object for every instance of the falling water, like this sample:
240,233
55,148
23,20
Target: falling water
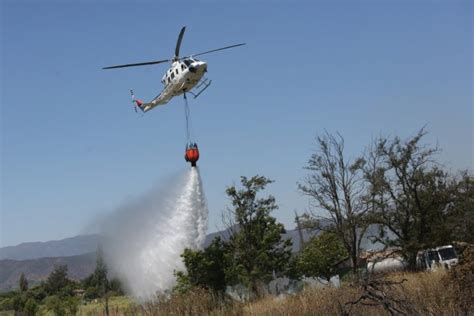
143,240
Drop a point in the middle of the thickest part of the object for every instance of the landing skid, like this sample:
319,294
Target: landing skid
202,85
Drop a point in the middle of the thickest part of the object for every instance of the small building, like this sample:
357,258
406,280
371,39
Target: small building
78,292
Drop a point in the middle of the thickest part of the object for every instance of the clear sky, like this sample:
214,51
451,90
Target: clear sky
72,147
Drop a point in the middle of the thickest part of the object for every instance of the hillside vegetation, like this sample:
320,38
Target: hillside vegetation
422,293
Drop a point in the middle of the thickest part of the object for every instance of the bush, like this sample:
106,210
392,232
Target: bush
6,304
461,278
31,307
320,256
55,305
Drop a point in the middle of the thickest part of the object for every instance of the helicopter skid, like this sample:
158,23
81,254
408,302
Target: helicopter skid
202,85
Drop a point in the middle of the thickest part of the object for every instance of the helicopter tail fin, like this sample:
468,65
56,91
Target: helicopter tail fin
138,103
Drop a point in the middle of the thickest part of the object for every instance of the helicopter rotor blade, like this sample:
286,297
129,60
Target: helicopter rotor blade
218,49
138,64
178,43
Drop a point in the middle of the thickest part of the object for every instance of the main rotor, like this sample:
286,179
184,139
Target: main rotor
176,54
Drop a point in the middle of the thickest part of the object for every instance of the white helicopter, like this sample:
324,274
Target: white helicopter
184,74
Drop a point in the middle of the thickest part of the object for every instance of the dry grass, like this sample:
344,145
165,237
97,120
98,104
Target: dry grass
421,294
197,302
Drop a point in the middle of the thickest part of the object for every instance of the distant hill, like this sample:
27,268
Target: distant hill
37,270
73,246
83,244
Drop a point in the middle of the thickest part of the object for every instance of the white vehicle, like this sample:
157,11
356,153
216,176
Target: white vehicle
184,74
432,259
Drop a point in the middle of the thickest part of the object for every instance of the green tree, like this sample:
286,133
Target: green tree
320,256
205,268
55,304
459,220
257,251
58,281
71,305
23,283
97,285
410,195
337,187
18,303
115,287
31,307
38,292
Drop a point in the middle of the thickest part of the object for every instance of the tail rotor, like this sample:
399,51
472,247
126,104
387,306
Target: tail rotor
133,100
136,102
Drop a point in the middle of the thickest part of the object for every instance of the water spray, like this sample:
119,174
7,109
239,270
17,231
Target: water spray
143,240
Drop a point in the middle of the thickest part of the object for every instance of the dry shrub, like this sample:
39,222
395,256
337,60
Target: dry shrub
461,278
421,294
195,302
322,301
426,293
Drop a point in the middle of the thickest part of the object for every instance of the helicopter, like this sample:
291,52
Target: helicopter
185,74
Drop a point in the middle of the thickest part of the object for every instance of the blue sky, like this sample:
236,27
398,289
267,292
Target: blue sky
72,147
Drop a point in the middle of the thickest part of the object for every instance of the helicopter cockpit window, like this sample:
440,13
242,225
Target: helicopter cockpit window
188,62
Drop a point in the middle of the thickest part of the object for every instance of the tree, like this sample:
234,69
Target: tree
115,286
336,186
71,305
54,304
18,303
97,284
31,307
410,195
321,255
38,292
460,214
256,250
58,282
205,268
23,283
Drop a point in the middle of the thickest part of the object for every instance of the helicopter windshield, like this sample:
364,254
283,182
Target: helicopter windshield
188,61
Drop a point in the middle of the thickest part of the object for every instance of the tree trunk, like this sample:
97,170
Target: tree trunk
354,253
354,265
106,304
412,261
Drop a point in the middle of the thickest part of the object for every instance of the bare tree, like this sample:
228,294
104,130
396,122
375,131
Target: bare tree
337,191
408,192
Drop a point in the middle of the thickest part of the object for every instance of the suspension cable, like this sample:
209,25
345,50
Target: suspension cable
186,114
